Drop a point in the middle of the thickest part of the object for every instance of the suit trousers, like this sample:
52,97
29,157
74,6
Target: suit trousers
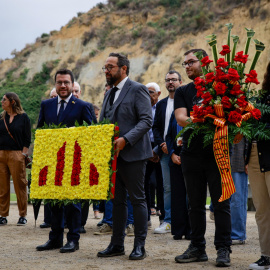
260,187
129,178
12,163
198,170
73,219
179,206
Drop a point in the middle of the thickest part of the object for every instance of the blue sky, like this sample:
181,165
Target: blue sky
22,21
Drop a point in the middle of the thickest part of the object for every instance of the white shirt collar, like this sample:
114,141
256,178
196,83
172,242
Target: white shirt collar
121,84
66,99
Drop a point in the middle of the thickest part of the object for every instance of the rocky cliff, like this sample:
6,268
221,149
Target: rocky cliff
154,37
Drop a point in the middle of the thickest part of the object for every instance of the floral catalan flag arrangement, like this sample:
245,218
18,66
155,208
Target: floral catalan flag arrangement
75,163
227,102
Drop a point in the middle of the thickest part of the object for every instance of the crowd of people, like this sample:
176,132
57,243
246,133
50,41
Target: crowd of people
156,174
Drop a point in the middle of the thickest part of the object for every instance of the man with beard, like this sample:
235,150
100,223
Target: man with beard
128,104
199,169
65,109
163,114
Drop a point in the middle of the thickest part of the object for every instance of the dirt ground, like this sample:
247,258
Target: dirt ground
17,250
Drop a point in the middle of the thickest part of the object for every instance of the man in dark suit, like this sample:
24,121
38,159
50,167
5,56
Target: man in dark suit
128,104
65,109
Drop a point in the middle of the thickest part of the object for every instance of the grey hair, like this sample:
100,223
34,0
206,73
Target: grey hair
52,91
78,85
154,85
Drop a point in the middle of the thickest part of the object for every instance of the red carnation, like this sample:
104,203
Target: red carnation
233,74
220,75
208,110
206,61
206,98
222,63
225,50
199,81
234,117
225,101
198,111
241,102
240,57
220,88
236,90
252,77
256,113
209,77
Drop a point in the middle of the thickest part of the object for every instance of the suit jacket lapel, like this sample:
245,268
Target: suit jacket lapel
68,109
104,104
54,110
123,93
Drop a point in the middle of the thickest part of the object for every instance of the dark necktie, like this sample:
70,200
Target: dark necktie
112,95
61,110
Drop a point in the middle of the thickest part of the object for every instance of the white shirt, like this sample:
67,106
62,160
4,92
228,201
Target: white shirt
65,104
119,86
169,110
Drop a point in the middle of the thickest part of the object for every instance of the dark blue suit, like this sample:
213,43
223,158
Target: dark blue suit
179,213
76,110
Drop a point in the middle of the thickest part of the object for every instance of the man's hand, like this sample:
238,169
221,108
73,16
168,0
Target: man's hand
246,169
120,143
155,157
164,148
176,159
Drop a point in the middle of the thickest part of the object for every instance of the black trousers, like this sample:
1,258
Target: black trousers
198,170
179,207
152,167
129,177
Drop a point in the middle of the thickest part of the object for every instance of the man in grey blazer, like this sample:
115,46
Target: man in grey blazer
128,104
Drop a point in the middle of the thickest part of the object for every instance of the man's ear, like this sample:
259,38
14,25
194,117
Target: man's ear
158,93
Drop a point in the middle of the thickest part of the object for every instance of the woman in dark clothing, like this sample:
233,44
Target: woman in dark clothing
259,178
15,138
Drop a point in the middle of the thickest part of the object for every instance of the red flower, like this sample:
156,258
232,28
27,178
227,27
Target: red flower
240,57
234,117
220,88
206,98
198,111
209,77
225,50
252,77
208,110
206,61
241,102
225,101
256,113
199,81
236,90
233,74
94,175
220,75
43,176
222,63
76,167
200,90
60,165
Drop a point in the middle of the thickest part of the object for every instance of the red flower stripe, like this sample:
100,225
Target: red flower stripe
94,175
60,165
43,176
76,168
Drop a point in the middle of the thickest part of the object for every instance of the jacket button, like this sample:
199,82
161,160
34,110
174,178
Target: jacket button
262,169
260,154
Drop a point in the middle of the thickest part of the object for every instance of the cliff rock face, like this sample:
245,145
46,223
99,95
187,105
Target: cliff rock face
81,47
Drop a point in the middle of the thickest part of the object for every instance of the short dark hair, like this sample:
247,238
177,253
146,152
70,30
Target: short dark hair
122,60
64,72
174,72
196,50
96,107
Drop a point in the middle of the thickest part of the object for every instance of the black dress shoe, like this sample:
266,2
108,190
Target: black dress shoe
138,253
50,244
44,225
69,247
112,250
82,230
177,237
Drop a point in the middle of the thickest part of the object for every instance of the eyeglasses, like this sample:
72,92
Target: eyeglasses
190,63
151,92
4,99
169,80
66,83
109,68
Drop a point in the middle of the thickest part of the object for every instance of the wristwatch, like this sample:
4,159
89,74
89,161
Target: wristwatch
126,140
